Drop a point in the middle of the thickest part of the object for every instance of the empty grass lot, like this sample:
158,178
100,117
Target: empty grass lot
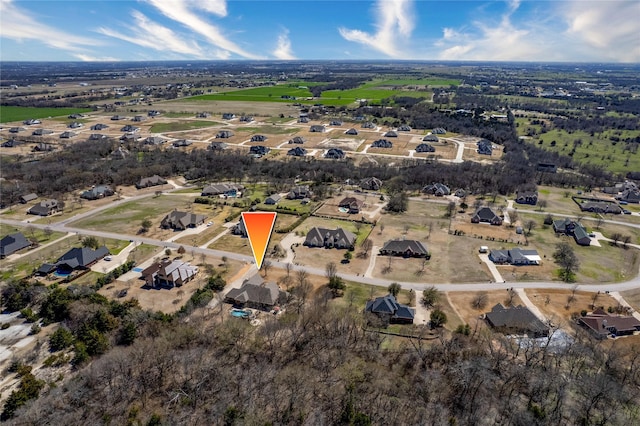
15,113
177,126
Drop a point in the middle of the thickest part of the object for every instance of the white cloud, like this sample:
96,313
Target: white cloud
89,58
283,50
20,25
394,25
183,11
605,29
147,33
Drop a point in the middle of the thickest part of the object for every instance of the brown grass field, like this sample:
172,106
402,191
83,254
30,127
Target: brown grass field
470,315
555,305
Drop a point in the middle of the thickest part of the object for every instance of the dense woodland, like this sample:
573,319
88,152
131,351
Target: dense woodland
317,365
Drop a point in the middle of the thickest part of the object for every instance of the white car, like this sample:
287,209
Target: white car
107,258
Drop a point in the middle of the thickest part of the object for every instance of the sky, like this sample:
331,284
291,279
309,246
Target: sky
143,30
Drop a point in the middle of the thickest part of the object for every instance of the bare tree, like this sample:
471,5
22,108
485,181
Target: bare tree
530,226
542,204
288,268
615,237
626,239
511,294
367,245
381,228
266,265
480,300
330,270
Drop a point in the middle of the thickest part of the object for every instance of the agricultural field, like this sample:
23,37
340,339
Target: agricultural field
13,113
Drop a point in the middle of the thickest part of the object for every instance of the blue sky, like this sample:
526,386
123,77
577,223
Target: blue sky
95,30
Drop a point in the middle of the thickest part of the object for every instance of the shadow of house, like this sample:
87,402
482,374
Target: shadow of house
13,243
486,215
257,293
168,274
44,208
330,238
602,325
516,320
179,221
147,182
574,229
404,248
390,311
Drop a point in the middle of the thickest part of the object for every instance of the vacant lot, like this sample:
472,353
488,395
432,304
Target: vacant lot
471,306
175,126
14,113
558,306
42,236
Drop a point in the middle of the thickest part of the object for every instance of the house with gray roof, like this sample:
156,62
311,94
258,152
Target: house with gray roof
257,293
78,258
404,248
299,192
272,200
438,131
217,146
169,274
371,184
239,229
99,126
330,238
516,320
150,181
259,150
485,147
423,147
130,129
527,197
179,221
44,208
317,128
12,243
44,147
224,134
404,128
630,196
335,123
351,131
297,140
224,189
368,125
390,311
335,154
154,140
228,116
353,205
486,215
181,143
28,197
97,192
437,189
297,152
391,134
42,132
67,135
600,207
97,137
258,138
430,138
575,229
382,143
246,119
515,256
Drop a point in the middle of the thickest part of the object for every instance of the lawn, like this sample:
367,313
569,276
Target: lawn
269,130
259,94
434,82
358,294
15,113
42,236
176,126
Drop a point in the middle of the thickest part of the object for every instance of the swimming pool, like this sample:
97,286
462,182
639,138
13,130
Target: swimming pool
239,313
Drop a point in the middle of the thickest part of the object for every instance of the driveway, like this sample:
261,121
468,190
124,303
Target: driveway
104,266
527,302
497,277
289,240
372,261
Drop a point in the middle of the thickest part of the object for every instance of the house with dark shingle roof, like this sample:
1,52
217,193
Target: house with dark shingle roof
630,196
44,208
516,320
180,221
351,131
12,243
603,325
130,129
150,181
404,248
99,126
318,128
181,143
228,116
423,147
382,143
297,152
28,197
330,238
224,134
272,200
154,140
430,138
368,125
371,184
246,119
527,197
239,228
391,134
575,229
41,132
224,189
485,147
437,189
297,140
600,207
335,123
257,293
79,258
300,192
438,131
515,256
389,310
352,204
217,146
335,154
258,138
97,137
259,150
404,128
485,214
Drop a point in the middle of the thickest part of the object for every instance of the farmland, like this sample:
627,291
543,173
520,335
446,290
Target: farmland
15,113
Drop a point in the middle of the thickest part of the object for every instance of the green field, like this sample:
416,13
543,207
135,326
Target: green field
597,149
177,126
433,82
13,113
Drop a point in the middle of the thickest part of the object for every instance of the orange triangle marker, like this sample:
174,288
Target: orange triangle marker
259,226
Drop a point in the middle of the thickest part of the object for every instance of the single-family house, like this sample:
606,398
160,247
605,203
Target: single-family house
138,118
600,207
404,248
390,311
16,129
423,147
351,131
430,138
118,117
603,325
272,200
42,132
44,208
368,125
297,152
437,189
203,115
97,137
150,181
75,125
351,204
239,228
371,184
485,147
12,243
516,320
181,143
629,196
224,134
217,146
330,238
335,154
391,134
303,119
130,137
382,143
460,193
297,139
168,274
317,128
300,192
97,192
438,131
78,258
527,197
11,143
575,229
258,138
130,129
515,256
486,215
246,119
153,113
28,197
335,123
99,126
228,116
43,147
231,190
31,121
257,293
67,135
154,140
404,128
179,221
259,150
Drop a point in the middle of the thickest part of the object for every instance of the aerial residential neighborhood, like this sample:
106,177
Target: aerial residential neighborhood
439,233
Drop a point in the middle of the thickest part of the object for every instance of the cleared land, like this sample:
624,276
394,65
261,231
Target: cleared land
14,113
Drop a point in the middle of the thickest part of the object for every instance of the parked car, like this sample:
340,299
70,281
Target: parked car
107,258
625,211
